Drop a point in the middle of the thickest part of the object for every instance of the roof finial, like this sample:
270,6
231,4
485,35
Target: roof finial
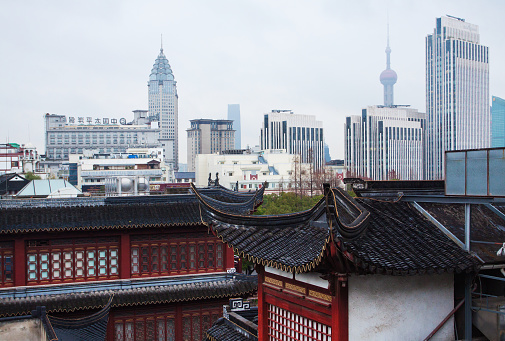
161,43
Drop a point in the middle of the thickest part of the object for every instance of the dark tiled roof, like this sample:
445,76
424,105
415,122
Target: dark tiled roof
89,328
231,286
223,330
293,242
487,231
399,240
377,236
123,212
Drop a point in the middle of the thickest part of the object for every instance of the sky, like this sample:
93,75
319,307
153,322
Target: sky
318,57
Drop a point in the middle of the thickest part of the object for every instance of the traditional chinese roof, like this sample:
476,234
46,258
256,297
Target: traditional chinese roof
122,212
371,236
89,328
224,330
70,298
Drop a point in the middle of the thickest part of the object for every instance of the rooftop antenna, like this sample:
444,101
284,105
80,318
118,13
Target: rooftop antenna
162,42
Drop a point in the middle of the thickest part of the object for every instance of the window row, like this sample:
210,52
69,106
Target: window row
158,258
162,326
87,263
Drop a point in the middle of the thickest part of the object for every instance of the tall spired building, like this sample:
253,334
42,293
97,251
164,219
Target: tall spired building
163,108
388,78
457,92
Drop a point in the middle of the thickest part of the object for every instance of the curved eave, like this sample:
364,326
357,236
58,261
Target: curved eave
259,220
308,266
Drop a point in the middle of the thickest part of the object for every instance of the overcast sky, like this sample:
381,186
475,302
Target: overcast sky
315,57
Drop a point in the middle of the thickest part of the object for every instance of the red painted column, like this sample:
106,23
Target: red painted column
262,306
19,262
340,310
230,261
178,321
125,255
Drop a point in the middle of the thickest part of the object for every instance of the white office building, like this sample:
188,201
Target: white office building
297,134
457,91
163,107
249,170
74,135
385,142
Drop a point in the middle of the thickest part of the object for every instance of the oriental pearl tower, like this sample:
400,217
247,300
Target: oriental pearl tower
388,78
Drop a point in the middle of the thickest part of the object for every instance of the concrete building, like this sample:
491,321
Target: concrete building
247,169
297,134
457,91
15,158
163,107
90,172
208,136
385,143
107,135
498,122
234,115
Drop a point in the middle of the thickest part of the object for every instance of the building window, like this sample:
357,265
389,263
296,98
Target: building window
161,255
146,324
6,264
60,260
298,327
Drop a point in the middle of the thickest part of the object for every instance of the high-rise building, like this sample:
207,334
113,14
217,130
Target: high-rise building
234,114
298,134
207,137
388,78
457,91
385,143
163,107
498,122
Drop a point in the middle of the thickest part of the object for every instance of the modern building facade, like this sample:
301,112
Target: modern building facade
234,115
297,134
163,108
90,172
385,143
107,135
498,122
208,136
457,91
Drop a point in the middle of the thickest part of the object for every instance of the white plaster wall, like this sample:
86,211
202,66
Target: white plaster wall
23,330
400,307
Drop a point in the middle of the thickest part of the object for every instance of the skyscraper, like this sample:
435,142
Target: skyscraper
298,134
234,114
498,122
208,136
163,107
457,92
385,143
388,78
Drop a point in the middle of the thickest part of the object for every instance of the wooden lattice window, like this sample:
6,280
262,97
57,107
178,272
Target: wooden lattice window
284,325
162,254
6,264
58,260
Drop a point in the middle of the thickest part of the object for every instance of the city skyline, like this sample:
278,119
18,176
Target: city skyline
322,59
